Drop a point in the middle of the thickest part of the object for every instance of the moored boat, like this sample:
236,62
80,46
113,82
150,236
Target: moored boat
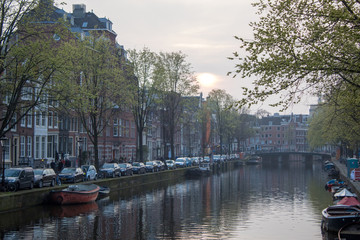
74,194
253,160
349,201
204,169
337,216
341,193
104,191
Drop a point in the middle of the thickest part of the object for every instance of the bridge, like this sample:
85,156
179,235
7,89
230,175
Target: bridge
293,155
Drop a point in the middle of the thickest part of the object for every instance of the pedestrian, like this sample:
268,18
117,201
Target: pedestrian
53,165
67,163
60,166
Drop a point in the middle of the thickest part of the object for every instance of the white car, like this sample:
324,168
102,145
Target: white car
90,172
170,164
195,160
180,162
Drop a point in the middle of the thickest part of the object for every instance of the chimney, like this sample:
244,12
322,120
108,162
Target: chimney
79,10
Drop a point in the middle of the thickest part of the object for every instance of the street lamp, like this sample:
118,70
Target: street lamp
79,142
3,162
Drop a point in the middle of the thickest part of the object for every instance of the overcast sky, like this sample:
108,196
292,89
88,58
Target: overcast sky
204,30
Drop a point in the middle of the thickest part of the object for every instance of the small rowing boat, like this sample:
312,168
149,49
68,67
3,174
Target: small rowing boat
74,194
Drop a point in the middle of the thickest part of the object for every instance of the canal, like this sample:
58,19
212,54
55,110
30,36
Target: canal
272,201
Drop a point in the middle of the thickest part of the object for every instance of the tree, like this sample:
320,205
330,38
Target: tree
219,103
28,58
175,81
144,93
243,129
337,121
93,86
300,47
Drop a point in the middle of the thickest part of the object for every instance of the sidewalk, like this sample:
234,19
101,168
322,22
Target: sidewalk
355,185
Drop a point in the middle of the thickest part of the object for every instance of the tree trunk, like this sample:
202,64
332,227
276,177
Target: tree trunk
141,152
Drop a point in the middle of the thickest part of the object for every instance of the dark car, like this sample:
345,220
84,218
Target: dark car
161,165
71,175
151,166
110,170
19,178
126,169
138,168
44,177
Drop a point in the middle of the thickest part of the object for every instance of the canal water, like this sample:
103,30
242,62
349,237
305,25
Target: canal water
272,201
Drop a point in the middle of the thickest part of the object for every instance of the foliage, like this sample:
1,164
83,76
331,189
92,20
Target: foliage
300,46
144,92
219,103
176,80
93,85
28,59
337,120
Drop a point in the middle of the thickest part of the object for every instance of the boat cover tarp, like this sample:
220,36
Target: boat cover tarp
349,201
344,193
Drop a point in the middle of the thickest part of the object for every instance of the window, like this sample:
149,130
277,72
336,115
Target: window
43,119
26,93
132,129
120,129
29,119
127,128
43,146
37,147
22,146
50,120
37,118
56,120
50,147
116,128
12,123
6,150
29,144
23,121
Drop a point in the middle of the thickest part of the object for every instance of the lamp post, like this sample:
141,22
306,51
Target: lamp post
79,142
3,162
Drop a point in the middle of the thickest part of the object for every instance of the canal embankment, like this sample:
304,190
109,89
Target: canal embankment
344,175
11,201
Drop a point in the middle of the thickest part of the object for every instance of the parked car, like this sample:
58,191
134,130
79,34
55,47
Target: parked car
216,158
180,162
126,169
90,172
188,162
170,164
207,159
138,168
19,178
110,170
71,175
151,166
195,161
160,164
44,177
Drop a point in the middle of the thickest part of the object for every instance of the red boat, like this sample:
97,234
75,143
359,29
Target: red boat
75,194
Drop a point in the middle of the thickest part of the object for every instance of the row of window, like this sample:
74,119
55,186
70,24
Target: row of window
123,128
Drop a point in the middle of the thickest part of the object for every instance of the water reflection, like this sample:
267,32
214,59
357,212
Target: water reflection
269,201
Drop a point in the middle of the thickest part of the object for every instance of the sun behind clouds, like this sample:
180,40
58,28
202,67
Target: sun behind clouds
207,80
